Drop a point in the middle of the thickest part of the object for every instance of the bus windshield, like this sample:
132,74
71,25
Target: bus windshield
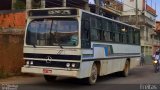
52,32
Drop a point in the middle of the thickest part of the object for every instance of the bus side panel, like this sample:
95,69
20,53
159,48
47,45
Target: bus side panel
85,69
105,67
111,66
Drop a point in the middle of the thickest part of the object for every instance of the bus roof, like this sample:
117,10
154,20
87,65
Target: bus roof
110,19
85,12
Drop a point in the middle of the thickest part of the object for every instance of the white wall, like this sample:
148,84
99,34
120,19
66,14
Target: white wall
130,5
150,16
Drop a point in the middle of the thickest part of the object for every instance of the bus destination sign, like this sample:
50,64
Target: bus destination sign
53,12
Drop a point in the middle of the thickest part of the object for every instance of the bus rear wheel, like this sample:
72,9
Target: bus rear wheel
125,72
49,78
93,76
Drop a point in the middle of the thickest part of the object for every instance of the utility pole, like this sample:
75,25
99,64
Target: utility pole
13,2
86,6
97,6
64,3
43,3
136,13
28,4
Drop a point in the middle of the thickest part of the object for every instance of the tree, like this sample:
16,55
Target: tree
19,5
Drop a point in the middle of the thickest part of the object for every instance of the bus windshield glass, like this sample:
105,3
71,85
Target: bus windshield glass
52,32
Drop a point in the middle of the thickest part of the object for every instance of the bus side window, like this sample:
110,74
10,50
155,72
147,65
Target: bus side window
85,34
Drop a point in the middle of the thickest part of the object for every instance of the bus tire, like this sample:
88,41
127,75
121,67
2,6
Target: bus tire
49,78
93,76
125,72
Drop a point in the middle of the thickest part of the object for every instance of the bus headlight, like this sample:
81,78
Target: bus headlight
73,65
27,62
68,65
31,62
155,61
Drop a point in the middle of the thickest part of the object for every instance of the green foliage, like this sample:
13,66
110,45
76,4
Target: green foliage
19,5
3,75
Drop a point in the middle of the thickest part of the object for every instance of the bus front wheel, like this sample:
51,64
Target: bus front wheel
93,76
49,78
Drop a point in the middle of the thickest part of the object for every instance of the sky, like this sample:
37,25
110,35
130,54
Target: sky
155,4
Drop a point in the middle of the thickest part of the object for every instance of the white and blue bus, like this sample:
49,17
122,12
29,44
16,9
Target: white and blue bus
75,43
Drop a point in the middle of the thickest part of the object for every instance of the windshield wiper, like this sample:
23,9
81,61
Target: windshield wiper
60,46
59,43
34,45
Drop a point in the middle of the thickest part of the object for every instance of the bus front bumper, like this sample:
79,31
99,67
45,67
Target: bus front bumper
50,71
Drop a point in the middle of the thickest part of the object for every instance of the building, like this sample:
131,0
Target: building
101,7
108,8
10,18
156,37
114,4
56,3
143,16
5,5
158,26
9,4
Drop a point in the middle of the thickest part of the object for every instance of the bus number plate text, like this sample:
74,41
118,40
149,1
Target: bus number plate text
47,71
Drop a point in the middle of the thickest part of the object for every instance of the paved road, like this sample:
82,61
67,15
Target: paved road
138,78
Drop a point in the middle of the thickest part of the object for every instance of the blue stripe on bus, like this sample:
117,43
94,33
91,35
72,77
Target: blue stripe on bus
100,45
109,58
106,48
87,55
106,51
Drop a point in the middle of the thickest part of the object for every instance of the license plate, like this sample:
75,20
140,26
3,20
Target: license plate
47,71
